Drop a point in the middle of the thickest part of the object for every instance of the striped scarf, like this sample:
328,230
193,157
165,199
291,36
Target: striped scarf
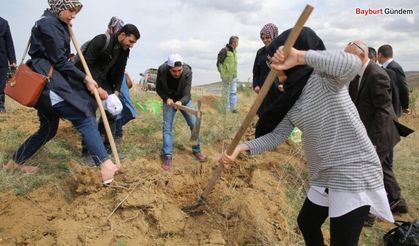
56,6
270,29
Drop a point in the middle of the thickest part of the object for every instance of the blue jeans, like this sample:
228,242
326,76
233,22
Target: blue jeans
169,114
230,93
48,128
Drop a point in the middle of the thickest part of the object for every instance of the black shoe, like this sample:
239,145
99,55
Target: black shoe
399,206
369,222
235,111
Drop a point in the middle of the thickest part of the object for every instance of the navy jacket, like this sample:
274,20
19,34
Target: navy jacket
50,45
401,83
7,50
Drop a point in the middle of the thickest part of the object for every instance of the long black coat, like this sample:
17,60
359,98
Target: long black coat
373,101
260,72
50,45
7,50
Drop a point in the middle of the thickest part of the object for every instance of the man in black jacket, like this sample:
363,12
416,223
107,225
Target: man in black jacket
7,57
173,85
371,93
385,58
106,56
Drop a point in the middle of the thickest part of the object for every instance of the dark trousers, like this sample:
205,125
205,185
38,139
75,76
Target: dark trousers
48,125
3,80
390,182
344,230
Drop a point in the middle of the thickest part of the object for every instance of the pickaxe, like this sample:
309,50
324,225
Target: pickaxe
198,113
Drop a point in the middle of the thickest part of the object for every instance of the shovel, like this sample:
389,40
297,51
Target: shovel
198,113
98,100
289,43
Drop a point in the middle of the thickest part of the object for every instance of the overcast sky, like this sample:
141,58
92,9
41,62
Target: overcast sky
198,29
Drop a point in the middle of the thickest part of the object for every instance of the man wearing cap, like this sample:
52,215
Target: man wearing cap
173,85
106,56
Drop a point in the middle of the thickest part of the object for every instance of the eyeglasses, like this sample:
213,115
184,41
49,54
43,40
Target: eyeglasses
353,43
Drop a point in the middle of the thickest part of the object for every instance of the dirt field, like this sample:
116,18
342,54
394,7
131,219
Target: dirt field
254,203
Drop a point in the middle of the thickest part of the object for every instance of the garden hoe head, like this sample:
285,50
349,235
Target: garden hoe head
198,114
197,126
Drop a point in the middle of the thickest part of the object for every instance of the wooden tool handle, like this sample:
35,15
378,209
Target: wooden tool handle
98,100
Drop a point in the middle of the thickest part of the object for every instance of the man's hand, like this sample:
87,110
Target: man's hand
102,93
170,102
407,111
177,103
257,89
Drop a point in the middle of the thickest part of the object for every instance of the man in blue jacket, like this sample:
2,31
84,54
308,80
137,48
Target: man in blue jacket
7,58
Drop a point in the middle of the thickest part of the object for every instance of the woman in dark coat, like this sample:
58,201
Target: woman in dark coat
261,70
65,96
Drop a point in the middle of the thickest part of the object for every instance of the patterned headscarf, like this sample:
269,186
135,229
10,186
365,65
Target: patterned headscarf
56,6
271,30
115,25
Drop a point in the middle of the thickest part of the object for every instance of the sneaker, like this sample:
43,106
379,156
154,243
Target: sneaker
167,162
369,222
199,156
235,111
2,110
399,206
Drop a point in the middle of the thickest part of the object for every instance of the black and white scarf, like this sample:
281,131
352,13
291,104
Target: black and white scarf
56,6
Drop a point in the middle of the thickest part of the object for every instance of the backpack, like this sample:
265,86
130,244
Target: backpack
221,56
405,234
84,46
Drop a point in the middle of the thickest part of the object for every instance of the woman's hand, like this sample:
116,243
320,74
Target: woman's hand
90,84
227,160
295,57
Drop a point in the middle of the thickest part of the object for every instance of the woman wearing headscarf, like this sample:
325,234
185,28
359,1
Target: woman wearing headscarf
67,93
345,175
260,67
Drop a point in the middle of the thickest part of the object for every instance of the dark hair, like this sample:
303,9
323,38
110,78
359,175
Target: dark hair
232,39
371,52
386,51
129,29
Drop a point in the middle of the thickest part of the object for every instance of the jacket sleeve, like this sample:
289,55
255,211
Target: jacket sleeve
271,140
53,38
380,95
256,72
10,47
121,70
92,52
186,92
403,87
160,81
340,66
